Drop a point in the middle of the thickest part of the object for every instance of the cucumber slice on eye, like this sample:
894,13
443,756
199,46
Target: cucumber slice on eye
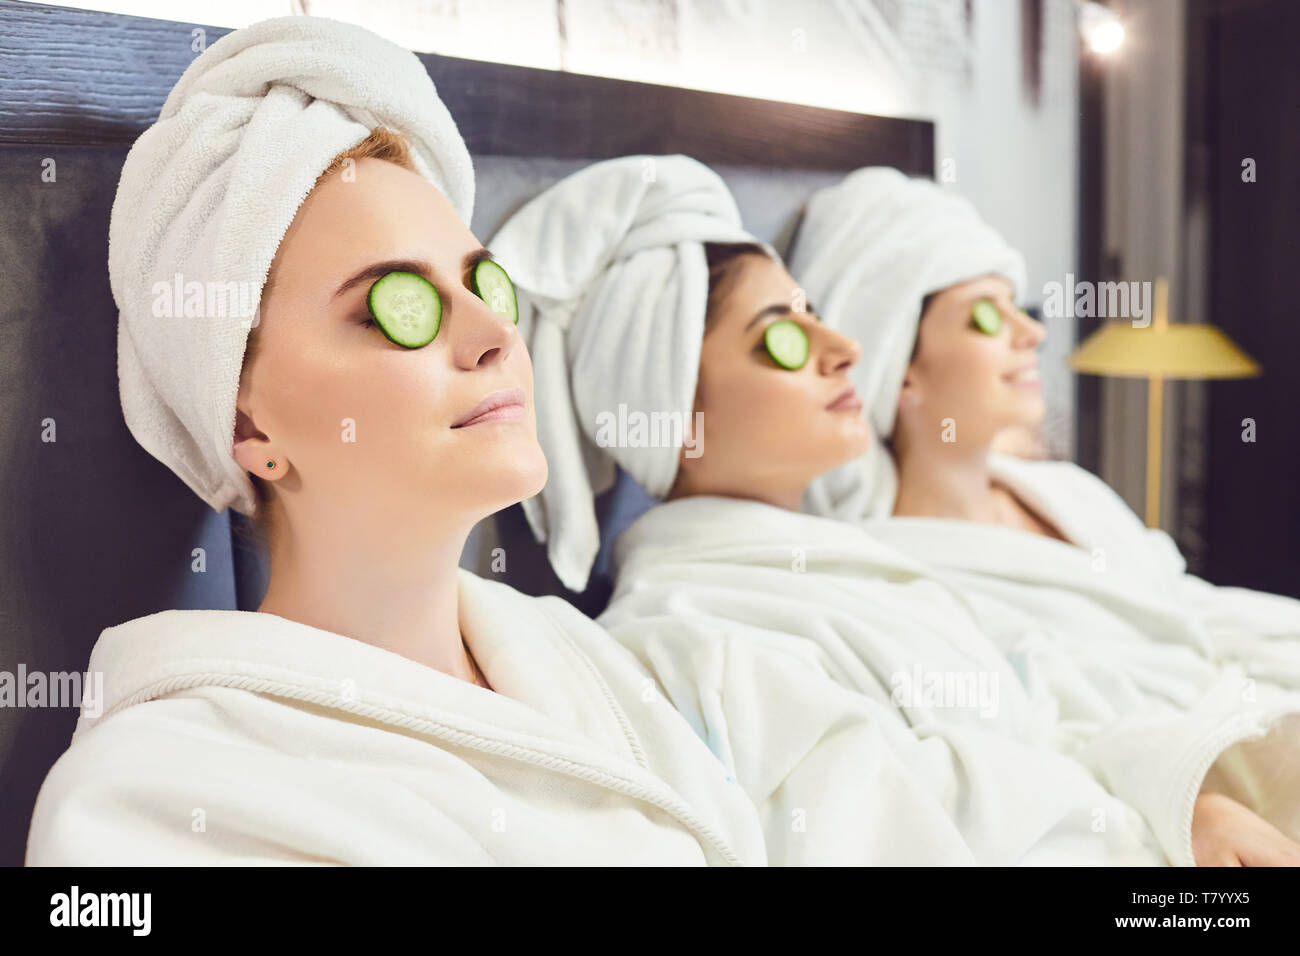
787,343
493,286
987,317
406,307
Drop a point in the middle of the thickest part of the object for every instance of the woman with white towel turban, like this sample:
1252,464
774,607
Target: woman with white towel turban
1060,573
381,706
850,693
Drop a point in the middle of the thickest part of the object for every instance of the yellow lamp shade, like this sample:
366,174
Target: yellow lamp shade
1156,352
1174,351
1161,350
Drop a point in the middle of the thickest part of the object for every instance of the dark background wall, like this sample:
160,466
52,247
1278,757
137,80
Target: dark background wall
1252,109
1232,506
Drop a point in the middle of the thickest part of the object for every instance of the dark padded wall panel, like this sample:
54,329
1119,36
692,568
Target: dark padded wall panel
93,531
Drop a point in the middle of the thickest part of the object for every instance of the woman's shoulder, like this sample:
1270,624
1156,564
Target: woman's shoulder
549,609
1065,486
120,777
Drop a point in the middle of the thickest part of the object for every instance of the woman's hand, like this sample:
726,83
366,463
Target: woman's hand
1225,833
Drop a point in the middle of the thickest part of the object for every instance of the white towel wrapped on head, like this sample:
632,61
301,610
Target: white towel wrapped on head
613,286
868,252
208,192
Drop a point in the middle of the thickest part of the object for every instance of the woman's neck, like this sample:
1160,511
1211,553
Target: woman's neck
946,480
788,496
396,591
957,483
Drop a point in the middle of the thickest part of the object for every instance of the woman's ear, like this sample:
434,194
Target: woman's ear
909,396
252,450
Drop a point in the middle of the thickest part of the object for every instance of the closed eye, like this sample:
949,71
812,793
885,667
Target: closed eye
761,345
471,263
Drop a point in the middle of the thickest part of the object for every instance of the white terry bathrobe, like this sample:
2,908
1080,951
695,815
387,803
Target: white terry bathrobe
1120,579
237,737
1111,623
700,580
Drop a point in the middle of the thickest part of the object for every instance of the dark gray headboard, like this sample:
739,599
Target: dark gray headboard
93,530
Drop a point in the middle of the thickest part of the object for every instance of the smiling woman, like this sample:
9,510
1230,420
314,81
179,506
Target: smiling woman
975,368
1095,611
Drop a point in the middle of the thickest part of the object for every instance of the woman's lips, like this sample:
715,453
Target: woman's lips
847,401
505,405
1025,377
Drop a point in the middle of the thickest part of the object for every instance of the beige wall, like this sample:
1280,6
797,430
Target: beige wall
1143,224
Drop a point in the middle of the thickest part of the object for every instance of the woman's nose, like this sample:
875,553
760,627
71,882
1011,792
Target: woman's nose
835,350
1029,332
480,336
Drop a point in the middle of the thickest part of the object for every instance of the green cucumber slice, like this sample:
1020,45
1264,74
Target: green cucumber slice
493,286
987,317
406,307
787,343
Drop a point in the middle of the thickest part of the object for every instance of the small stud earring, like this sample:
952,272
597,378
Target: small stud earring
270,464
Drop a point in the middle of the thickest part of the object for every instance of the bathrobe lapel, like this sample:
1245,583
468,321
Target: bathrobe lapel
525,658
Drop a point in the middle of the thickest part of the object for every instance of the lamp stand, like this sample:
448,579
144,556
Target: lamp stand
1155,434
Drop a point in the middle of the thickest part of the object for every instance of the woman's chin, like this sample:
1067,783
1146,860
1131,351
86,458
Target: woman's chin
537,477
1035,412
526,475
849,447
504,481
857,440
1026,408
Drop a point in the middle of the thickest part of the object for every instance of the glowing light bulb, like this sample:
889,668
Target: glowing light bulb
1101,28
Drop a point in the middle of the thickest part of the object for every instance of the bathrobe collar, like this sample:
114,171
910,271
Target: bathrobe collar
547,691
709,529
1108,551
705,527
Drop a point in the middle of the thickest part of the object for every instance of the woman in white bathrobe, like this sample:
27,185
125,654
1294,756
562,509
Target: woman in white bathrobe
798,647
1086,602
381,706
